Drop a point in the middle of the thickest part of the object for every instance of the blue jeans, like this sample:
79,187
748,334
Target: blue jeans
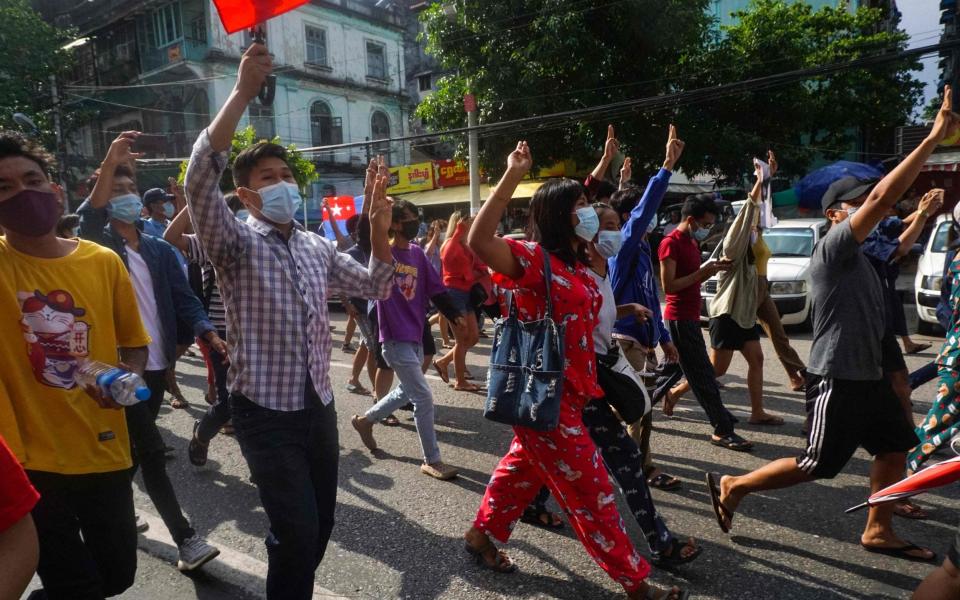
406,360
293,460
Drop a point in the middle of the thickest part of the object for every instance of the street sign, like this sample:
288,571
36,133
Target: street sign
469,103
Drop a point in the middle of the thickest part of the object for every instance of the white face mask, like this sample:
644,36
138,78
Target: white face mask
609,243
280,201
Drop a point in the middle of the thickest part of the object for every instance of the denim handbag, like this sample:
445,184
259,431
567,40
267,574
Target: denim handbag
525,381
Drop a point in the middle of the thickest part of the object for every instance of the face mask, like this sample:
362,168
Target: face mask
701,234
280,201
409,229
30,212
126,208
589,223
609,243
651,226
242,214
168,210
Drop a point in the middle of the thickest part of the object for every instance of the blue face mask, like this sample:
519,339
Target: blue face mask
242,214
126,208
701,234
589,223
280,201
609,243
168,209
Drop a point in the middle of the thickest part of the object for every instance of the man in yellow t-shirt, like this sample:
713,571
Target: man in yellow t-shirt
62,300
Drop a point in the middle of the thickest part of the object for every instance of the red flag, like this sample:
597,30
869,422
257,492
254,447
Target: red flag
341,207
244,14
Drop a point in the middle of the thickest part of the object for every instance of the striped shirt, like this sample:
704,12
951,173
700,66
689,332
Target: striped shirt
211,298
274,290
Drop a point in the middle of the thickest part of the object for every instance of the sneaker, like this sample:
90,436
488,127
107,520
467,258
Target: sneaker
365,429
197,450
439,470
142,525
194,553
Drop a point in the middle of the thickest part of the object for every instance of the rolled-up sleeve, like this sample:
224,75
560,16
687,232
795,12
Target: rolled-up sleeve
221,235
352,279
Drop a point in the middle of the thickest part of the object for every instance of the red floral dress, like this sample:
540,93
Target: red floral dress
565,460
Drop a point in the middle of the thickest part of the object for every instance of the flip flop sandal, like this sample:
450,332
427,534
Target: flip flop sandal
444,375
719,509
768,421
909,510
664,482
476,389
533,516
358,389
901,552
676,558
502,564
733,442
390,421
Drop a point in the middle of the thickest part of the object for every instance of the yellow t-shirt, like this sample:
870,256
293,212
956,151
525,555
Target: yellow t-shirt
51,312
761,253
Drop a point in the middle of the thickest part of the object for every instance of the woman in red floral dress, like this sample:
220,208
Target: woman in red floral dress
565,459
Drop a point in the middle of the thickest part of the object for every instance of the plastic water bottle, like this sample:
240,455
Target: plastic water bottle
123,387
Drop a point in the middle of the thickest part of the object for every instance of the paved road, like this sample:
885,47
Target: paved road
398,532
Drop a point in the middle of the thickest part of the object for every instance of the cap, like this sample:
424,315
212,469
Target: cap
846,189
156,195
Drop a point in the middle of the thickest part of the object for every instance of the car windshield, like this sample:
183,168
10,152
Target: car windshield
789,241
940,238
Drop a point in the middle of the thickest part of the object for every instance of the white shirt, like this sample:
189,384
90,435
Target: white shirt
147,302
603,332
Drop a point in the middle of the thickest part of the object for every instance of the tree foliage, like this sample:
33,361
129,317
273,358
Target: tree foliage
33,55
304,171
535,57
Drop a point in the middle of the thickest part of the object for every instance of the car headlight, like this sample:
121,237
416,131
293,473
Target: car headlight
931,282
788,287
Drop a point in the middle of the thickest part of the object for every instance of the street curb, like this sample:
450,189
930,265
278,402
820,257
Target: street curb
232,567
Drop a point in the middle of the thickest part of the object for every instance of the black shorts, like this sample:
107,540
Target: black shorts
892,357
843,415
429,344
726,334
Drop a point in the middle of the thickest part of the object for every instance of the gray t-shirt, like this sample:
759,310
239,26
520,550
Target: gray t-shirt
847,305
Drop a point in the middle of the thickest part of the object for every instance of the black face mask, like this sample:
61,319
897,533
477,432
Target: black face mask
410,228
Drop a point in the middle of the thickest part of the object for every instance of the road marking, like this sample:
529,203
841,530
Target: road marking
233,567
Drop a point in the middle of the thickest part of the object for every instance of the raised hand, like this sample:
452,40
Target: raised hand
772,161
370,177
519,161
255,65
947,122
381,208
674,149
626,172
611,147
931,202
120,152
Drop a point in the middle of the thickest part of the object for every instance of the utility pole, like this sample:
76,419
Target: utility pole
473,144
58,132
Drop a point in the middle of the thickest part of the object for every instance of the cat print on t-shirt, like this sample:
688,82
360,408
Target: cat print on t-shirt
54,335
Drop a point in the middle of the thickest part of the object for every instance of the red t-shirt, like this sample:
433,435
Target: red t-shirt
17,496
682,249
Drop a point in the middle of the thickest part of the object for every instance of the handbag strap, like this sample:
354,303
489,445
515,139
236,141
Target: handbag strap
548,281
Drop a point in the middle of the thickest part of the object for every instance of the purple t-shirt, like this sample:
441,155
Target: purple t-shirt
415,281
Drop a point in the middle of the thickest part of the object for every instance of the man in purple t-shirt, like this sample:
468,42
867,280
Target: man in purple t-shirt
401,318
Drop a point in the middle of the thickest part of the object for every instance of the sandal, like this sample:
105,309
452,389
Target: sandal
676,557
358,389
501,564
179,402
916,349
909,510
724,514
444,375
902,552
662,481
469,387
732,441
390,421
768,421
541,518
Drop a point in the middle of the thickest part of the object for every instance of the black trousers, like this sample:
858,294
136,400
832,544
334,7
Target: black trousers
293,459
219,412
87,533
699,373
149,456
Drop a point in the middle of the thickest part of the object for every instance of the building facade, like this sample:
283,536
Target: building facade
164,67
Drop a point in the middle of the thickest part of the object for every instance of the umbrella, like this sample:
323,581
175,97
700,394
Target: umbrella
811,188
934,476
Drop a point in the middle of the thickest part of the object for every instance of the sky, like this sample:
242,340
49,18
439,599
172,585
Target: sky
921,20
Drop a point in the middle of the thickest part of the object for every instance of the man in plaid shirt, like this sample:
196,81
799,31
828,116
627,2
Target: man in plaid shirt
275,279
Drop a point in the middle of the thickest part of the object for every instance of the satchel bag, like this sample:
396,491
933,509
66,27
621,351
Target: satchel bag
525,381
622,386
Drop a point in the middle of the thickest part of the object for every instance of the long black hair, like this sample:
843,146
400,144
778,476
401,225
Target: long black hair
550,224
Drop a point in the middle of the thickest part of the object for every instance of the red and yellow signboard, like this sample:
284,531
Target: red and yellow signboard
452,172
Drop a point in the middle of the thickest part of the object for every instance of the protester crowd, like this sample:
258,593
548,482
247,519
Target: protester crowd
134,280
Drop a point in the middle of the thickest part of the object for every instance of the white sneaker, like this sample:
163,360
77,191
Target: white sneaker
194,553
